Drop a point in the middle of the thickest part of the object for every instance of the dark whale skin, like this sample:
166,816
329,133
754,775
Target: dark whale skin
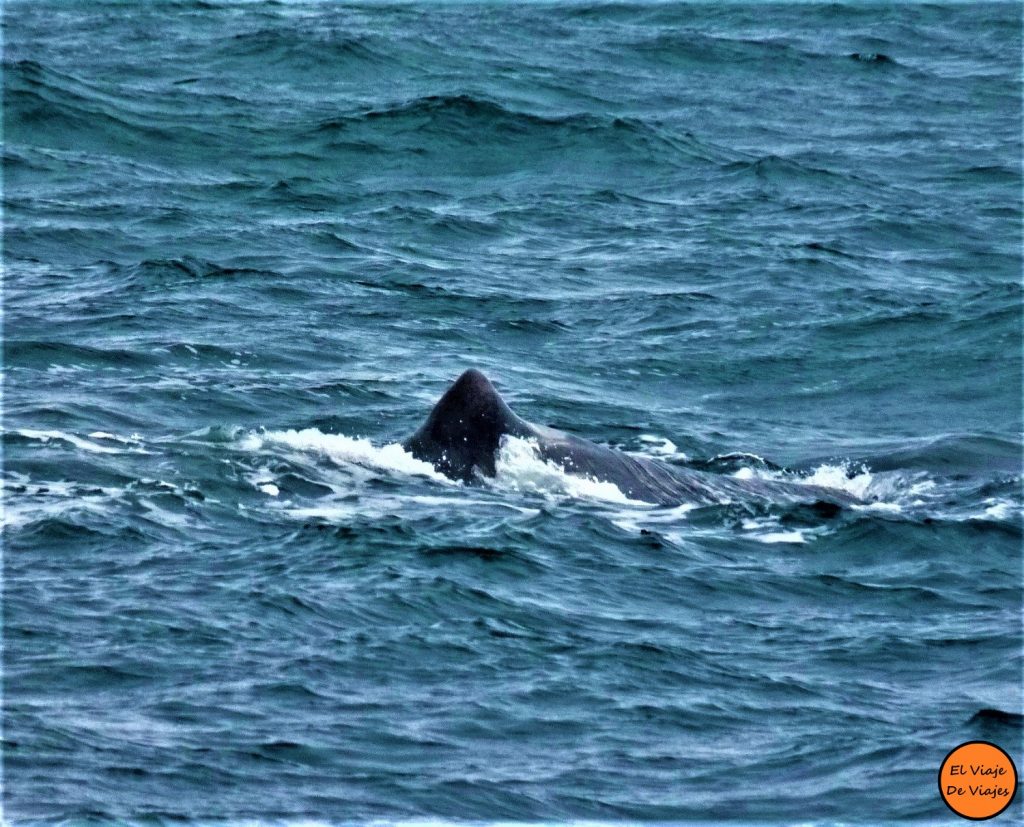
463,434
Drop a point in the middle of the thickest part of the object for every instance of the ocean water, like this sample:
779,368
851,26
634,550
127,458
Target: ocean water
247,245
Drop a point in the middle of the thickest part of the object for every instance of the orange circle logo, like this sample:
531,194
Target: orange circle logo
977,780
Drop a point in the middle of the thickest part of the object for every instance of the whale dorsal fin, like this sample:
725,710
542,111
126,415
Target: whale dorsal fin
463,431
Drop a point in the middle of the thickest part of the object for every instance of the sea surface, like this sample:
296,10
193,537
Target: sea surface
247,245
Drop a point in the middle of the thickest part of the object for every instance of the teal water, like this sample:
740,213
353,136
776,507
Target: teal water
248,245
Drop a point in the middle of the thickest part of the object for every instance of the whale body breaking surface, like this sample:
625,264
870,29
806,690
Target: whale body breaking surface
467,427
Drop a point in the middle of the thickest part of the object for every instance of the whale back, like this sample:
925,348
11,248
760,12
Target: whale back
462,436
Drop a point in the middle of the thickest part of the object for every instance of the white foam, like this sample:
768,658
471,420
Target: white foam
781,537
468,501
745,455
997,510
636,521
343,508
880,508
520,468
330,512
164,517
124,440
263,480
58,369
769,530
861,484
41,501
660,446
77,441
344,449
838,476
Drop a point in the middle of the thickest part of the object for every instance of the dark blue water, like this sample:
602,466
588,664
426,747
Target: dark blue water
248,245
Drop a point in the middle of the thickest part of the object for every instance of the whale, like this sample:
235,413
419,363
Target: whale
465,431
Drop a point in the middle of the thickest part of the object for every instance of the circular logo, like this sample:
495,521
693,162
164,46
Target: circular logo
977,780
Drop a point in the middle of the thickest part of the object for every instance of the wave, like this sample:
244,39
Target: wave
298,50
874,58
33,353
151,272
78,442
954,454
786,171
451,226
44,107
477,125
998,717
695,49
157,275
60,111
